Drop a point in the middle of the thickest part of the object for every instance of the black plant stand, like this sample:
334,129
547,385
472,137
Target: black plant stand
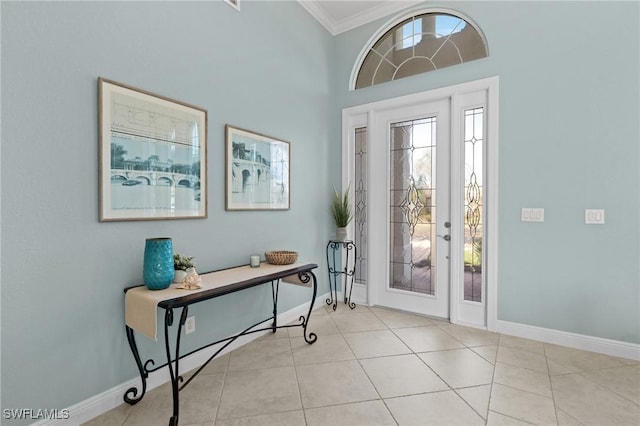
347,273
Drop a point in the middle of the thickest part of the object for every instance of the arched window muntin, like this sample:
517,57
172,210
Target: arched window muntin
406,18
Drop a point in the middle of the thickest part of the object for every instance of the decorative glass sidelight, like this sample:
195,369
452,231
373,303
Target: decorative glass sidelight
412,198
360,204
473,203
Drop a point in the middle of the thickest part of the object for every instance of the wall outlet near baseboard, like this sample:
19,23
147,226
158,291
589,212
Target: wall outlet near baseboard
190,325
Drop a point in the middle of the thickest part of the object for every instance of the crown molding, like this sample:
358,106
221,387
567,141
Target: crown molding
372,14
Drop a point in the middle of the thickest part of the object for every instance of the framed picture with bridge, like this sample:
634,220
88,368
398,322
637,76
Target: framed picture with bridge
153,155
257,171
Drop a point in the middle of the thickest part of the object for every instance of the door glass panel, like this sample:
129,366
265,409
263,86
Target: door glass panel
412,209
360,204
474,202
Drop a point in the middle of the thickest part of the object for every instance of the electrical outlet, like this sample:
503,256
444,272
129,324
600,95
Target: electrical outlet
594,216
190,325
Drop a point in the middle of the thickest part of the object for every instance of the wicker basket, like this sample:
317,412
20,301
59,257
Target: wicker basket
281,257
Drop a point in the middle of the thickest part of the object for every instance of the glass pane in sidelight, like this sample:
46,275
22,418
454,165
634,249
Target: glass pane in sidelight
473,204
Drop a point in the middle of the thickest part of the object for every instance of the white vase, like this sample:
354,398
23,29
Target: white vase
179,276
341,234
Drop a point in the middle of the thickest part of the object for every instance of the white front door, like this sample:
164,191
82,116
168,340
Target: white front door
409,208
423,169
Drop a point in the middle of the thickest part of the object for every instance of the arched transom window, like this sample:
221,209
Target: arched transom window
421,43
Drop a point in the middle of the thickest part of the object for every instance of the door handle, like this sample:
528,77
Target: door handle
446,237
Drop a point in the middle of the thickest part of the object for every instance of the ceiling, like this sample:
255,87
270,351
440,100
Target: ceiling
338,16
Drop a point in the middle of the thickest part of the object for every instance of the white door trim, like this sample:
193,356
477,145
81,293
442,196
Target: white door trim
363,115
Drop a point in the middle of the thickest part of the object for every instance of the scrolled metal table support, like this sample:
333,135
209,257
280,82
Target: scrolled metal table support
142,369
347,273
305,277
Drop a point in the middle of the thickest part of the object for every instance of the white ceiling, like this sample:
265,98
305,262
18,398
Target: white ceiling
338,16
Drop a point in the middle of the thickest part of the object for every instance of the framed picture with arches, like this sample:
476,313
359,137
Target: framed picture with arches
153,155
257,171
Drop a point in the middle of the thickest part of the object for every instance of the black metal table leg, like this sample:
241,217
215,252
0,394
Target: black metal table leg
144,374
175,375
305,277
274,294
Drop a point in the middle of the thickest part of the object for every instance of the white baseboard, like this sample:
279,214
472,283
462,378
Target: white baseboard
572,340
105,401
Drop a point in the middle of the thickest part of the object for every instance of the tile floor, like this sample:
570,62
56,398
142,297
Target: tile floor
374,366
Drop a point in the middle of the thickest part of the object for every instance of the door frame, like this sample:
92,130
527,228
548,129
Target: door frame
365,115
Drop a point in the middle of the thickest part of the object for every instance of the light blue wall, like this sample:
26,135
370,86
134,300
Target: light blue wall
571,69
63,273
569,141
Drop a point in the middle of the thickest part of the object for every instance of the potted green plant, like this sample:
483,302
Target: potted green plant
181,264
342,212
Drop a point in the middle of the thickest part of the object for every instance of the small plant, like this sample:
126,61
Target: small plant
182,263
341,208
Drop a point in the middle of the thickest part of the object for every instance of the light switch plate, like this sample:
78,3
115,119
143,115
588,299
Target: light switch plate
594,216
532,214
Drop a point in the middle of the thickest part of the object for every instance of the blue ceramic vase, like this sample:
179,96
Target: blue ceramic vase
158,263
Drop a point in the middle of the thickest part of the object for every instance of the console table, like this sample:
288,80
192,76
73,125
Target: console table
347,273
140,315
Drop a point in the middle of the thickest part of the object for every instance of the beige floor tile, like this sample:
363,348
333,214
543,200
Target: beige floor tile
369,413
113,417
487,352
334,383
477,397
401,375
199,400
459,368
396,319
578,360
522,358
520,343
217,365
470,336
327,348
556,369
497,419
255,392
154,409
352,322
318,324
438,408
261,353
427,338
525,406
592,404
625,381
342,308
289,418
279,379
566,420
369,344
523,379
